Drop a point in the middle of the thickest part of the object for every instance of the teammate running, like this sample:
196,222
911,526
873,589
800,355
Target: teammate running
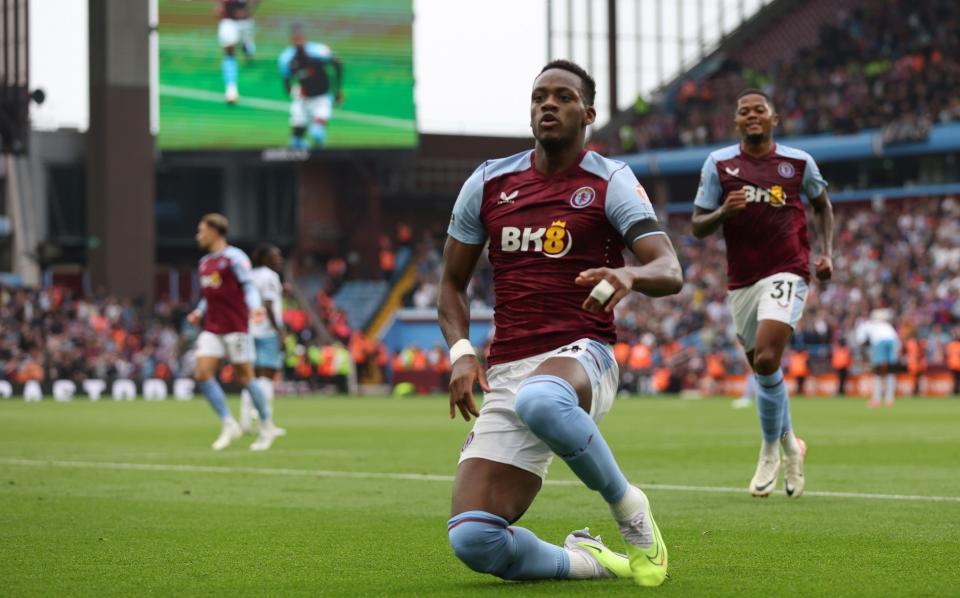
557,219
305,79
229,298
754,191
236,27
267,330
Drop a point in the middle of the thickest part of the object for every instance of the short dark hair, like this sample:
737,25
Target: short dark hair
217,222
588,87
261,252
753,91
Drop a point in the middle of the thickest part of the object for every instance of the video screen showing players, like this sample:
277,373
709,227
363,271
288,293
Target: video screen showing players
300,74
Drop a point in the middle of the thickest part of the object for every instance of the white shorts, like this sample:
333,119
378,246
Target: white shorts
499,435
232,31
303,111
779,297
235,346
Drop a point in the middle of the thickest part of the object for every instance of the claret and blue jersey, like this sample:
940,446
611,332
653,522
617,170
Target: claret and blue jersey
308,68
770,236
543,231
228,292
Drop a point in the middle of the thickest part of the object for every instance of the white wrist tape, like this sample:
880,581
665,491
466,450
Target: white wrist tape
459,349
602,292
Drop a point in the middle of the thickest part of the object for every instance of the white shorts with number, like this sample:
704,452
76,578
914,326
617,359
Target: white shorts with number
303,111
499,435
233,31
237,347
779,297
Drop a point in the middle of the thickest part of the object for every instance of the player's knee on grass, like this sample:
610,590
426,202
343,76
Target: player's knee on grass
229,50
481,540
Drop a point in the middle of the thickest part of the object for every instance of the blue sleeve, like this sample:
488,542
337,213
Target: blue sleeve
241,269
319,52
627,202
465,224
284,62
813,182
709,193
202,306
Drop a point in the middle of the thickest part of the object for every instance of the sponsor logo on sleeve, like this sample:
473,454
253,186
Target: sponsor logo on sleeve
646,198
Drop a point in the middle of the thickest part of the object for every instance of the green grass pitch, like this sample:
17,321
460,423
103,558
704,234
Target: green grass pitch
373,38
127,499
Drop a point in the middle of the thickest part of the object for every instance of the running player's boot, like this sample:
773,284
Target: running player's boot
230,432
607,562
741,403
793,480
268,432
765,479
232,94
645,548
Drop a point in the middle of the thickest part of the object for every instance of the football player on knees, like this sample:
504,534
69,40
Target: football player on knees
557,219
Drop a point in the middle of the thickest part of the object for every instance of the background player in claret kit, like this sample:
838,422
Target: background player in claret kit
558,219
754,191
303,66
266,327
236,28
229,297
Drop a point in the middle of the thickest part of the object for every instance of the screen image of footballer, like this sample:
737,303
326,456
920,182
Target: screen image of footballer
302,74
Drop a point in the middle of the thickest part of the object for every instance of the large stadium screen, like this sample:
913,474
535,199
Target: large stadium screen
307,74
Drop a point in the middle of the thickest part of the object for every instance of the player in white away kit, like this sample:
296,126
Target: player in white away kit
884,342
266,329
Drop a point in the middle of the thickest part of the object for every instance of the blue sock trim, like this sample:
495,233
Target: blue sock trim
770,380
771,403
549,406
259,400
548,379
478,517
214,394
487,544
229,68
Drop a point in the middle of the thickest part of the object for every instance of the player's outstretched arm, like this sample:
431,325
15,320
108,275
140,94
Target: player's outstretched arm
658,275
823,223
453,311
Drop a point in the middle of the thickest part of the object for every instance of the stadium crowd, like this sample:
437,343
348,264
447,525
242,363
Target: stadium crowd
902,255
892,65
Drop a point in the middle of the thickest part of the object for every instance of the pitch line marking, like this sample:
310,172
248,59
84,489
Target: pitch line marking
281,106
418,477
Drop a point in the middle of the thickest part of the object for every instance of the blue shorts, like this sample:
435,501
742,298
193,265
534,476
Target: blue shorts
267,352
883,352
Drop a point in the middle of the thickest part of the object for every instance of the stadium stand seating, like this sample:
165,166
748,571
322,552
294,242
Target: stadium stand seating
831,68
